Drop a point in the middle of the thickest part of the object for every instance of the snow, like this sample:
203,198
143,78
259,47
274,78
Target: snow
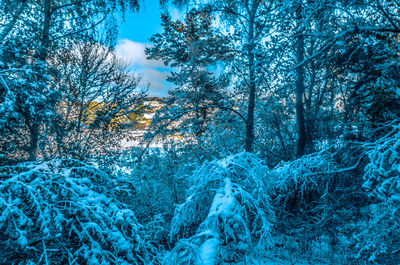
38,202
223,206
235,221
224,202
22,241
208,252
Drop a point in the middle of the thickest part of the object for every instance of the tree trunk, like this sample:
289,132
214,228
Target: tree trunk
45,42
34,139
34,128
301,128
252,89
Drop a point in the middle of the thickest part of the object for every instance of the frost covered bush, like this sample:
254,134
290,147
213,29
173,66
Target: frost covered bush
305,185
381,240
383,169
63,212
316,202
155,187
226,214
299,180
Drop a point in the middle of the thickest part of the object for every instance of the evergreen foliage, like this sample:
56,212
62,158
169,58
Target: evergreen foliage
64,212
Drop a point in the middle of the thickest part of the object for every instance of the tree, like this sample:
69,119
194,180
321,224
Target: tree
193,47
99,102
251,25
301,127
48,26
27,100
248,18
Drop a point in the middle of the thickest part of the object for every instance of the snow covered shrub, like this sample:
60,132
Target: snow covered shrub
63,212
303,185
226,214
381,240
155,186
315,199
383,169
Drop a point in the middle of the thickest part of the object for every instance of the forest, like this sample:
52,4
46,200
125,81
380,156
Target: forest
278,142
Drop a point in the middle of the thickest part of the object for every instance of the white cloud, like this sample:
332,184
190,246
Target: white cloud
152,72
156,79
133,53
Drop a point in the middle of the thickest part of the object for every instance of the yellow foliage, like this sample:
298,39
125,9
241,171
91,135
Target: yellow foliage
93,109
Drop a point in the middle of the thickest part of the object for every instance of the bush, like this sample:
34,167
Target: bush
301,183
380,241
226,214
317,205
63,212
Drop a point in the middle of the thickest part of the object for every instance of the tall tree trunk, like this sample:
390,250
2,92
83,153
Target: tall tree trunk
45,41
34,139
301,128
34,128
252,88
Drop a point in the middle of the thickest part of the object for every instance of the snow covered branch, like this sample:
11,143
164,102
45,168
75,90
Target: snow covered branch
57,212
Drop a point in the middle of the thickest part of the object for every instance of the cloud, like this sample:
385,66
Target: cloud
158,86
133,53
153,72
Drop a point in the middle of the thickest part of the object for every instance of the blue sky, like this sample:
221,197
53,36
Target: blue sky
141,26
134,36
